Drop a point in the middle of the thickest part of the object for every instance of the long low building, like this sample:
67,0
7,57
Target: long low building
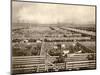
52,39
81,31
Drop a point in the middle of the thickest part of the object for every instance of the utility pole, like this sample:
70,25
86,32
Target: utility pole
44,53
46,61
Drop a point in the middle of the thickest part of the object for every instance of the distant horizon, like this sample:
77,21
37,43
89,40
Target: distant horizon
67,25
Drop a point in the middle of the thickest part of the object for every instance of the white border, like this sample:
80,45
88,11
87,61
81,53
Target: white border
5,36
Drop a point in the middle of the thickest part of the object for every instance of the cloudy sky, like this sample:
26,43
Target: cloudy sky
52,13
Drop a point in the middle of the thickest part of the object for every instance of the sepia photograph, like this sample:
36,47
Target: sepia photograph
52,37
